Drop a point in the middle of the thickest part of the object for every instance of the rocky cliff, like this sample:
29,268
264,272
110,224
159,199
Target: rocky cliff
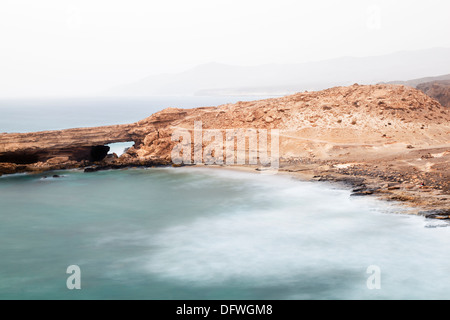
328,125
439,90
391,133
74,148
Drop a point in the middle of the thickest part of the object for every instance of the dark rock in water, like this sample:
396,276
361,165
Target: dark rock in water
446,225
91,169
101,168
436,214
363,193
56,176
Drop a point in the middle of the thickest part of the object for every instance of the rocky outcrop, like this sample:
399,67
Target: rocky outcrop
439,90
59,148
344,124
80,147
386,140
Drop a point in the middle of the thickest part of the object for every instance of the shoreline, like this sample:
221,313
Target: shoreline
427,202
415,201
388,141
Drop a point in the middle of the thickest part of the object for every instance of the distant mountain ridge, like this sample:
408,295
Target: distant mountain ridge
415,82
220,79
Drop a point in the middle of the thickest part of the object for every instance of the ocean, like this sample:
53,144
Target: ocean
201,233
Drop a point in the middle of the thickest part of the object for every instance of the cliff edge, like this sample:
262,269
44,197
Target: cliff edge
390,140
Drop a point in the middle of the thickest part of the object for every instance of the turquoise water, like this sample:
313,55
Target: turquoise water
185,233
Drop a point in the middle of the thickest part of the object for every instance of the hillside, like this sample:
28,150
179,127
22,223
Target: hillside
436,87
389,140
381,115
439,90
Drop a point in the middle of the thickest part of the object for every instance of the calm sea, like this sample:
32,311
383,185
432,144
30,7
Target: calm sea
185,233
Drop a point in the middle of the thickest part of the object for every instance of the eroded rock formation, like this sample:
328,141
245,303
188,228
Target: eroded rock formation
388,139
346,126
61,148
439,90
80,147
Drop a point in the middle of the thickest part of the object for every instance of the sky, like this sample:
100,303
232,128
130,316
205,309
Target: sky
83,47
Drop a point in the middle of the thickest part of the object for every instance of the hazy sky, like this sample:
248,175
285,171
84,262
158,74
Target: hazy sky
61,47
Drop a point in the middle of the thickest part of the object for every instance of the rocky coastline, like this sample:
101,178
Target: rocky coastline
388,141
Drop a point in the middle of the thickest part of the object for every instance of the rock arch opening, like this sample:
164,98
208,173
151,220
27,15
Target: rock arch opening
120,148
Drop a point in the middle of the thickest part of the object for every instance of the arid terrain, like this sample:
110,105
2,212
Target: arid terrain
391,141
439,90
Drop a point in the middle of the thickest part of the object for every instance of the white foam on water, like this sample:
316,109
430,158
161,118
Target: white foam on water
186,232
302,228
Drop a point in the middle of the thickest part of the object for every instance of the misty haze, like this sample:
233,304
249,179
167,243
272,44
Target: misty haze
224,155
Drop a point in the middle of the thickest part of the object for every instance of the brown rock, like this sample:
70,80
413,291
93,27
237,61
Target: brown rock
439,90
8,168
306,131
57,160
